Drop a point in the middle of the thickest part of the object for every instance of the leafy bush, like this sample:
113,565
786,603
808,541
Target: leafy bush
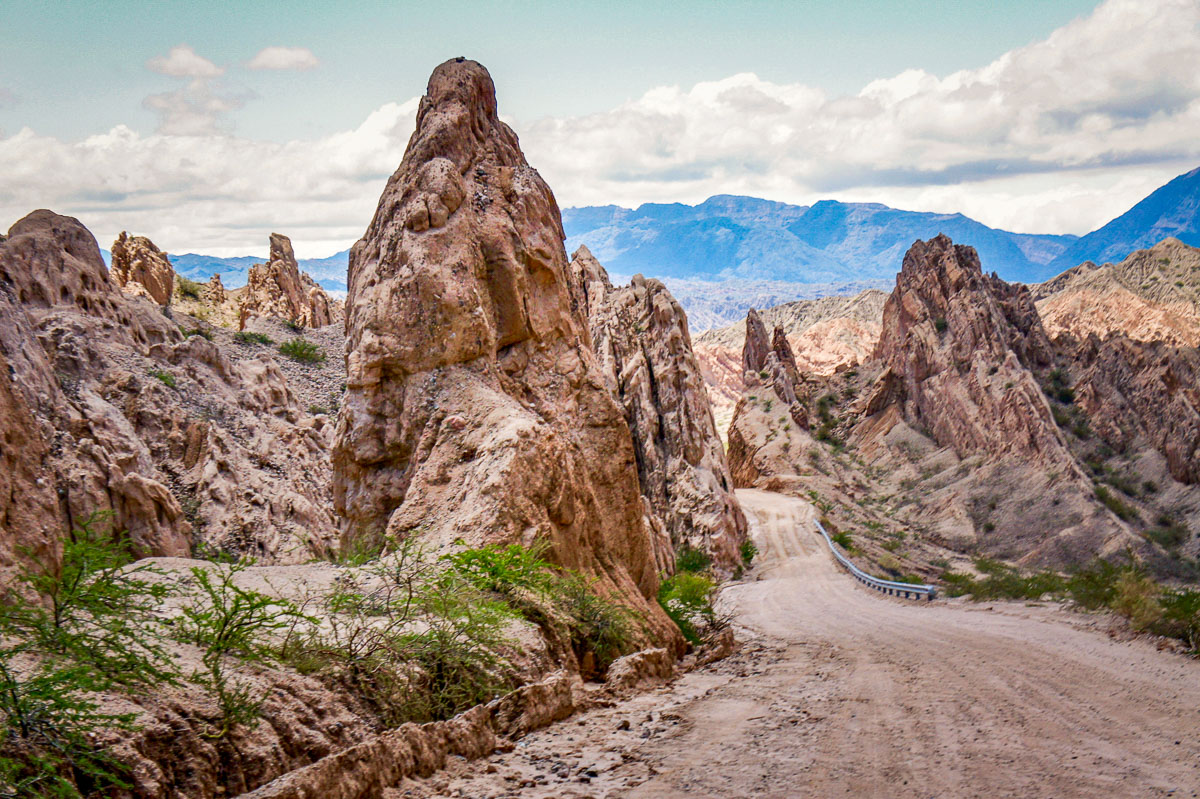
687,598
188,288
226,621
598,626
748,550
92,628
166,378
843,540
302,351
202,332
247,337
940,325
690,559
1169,534
504,570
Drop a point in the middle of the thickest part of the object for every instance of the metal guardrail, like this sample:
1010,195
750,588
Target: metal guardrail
889,587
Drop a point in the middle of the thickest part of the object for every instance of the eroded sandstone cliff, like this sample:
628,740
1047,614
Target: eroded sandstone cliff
184,445
279,289
475,409
139,267
640,335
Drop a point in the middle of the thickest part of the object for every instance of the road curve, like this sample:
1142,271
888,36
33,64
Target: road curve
843,692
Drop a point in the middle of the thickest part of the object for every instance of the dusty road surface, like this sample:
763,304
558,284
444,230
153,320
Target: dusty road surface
841,692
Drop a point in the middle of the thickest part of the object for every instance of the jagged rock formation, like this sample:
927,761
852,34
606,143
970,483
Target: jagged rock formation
1153,295
182,444
139,267
475,408
956,350
640,335
825,336
278,288
215,291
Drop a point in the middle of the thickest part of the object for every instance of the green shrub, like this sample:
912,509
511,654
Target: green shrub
93,627
505,570
303,351
843,540
1169,535
687,598
202,332
690,559
166,378
598,625
1114,504
247,337
230,622
940,325
188,288
748,550
1181,617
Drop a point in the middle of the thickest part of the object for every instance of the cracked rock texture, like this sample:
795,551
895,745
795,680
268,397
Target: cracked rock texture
475,409
278,288
139,267
640,335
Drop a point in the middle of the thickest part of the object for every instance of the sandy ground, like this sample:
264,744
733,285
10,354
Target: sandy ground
841,692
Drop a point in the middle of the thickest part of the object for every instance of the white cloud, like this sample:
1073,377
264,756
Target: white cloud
283,58
1059,136
183,62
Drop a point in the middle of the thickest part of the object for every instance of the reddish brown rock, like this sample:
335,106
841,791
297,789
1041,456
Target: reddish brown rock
278,288
215,292
640,335
140,268
459,305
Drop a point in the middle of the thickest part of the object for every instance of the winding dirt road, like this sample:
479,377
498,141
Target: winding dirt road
841,692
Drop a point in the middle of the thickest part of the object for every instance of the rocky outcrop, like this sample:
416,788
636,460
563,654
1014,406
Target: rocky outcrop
475,409
640,335
1150,296
140,268
278,288
181,444
1136,391
955,353
215,291
827,335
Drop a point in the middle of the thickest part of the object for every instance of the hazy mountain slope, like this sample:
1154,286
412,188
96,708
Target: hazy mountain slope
1172,210
747,238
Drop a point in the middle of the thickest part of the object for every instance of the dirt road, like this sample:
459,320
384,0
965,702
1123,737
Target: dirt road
842,692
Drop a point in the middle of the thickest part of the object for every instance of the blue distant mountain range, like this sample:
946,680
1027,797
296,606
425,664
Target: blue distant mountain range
828,243
728,237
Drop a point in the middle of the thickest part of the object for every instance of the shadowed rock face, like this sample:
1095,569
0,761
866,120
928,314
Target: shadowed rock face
139,267
181,444
278,288
475,408
640,335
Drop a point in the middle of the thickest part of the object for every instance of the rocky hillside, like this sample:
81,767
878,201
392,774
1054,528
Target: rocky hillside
640,335
993,437
824,335
1153,295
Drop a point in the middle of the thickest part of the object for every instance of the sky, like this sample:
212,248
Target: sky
207,128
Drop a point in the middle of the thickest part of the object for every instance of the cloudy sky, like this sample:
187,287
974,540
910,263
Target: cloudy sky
207,129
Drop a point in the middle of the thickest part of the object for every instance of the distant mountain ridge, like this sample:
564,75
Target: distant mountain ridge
730,237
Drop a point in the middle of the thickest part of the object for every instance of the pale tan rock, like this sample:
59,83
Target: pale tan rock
1153,295
223,457
215,291
640,335
139,267
459,305
278,288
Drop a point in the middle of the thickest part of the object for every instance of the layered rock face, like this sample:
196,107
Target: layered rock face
215,291
1153,295
956,350
475,408
278,288
640,335
181,444
826,336
139,267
